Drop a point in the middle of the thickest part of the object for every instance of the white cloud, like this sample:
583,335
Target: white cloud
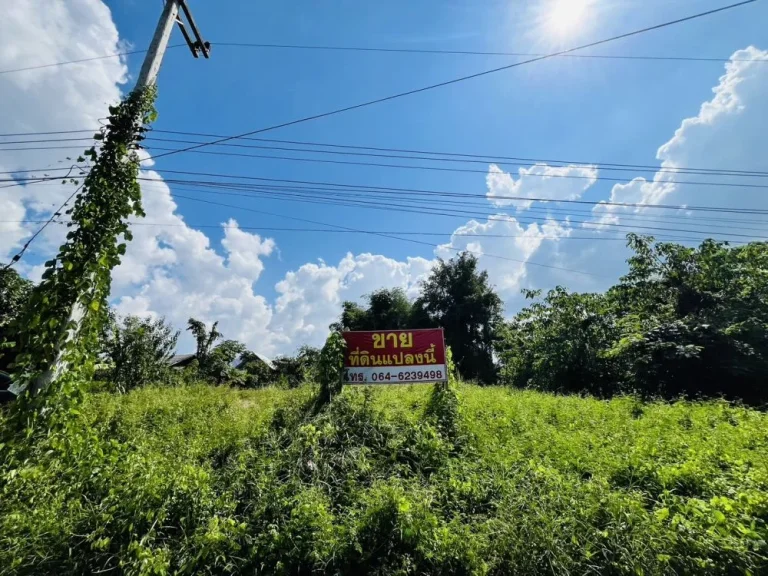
245,249
37,32
727,133
310,298
539,181
172,270
504,246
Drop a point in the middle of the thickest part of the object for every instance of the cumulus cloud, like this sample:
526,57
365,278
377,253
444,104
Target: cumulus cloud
37,32
504,247
310,298
171,269
244,250
727,133
539,181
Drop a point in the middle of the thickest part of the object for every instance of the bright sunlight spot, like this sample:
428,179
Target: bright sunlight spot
565,17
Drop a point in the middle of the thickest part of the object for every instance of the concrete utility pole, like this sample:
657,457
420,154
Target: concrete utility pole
154,57
147,77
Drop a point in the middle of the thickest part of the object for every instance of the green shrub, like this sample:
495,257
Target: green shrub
136,352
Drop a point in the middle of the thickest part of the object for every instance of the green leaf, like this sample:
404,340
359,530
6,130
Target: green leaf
95,305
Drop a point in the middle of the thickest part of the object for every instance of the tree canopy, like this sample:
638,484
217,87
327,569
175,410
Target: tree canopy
683,321
460,299
386,309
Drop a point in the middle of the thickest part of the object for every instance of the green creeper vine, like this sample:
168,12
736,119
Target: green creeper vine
331,368
79,278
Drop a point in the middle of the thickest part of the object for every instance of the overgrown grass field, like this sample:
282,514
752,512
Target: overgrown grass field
395,480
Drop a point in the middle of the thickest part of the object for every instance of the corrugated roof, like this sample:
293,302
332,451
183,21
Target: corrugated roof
179,358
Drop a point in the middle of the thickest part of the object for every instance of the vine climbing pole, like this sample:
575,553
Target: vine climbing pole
59,331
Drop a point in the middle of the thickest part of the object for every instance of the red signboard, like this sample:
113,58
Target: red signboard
395,357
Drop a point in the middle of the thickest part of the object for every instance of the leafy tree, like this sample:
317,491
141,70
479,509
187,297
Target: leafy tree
257,373
558,344
204,338
683,321
459,298
14,294
137,351
302,367
386,309
218,365
694,320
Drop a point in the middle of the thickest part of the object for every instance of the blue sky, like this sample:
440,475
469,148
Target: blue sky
573,109
592,110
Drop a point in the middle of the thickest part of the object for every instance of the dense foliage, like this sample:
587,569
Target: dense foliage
400,480
460,299
136,351
14,294
386,309
65,314
683,321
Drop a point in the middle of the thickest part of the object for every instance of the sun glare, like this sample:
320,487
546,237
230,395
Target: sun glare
565,17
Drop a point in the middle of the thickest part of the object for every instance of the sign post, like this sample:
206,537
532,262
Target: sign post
395,357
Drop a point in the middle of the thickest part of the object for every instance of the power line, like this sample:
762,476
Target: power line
460,79
459,170
431,156
463,157
12,134
461,195
47,223
426,192
323,230
387,235
482,205
81,60
477,52
428,210
396,50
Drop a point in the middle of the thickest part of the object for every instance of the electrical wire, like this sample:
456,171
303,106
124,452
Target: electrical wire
81,60
476,52
460,170
461,157
439,193
430,209
481,204
18,256
426,210
386,235
426,192
323,230
408,154
461,78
